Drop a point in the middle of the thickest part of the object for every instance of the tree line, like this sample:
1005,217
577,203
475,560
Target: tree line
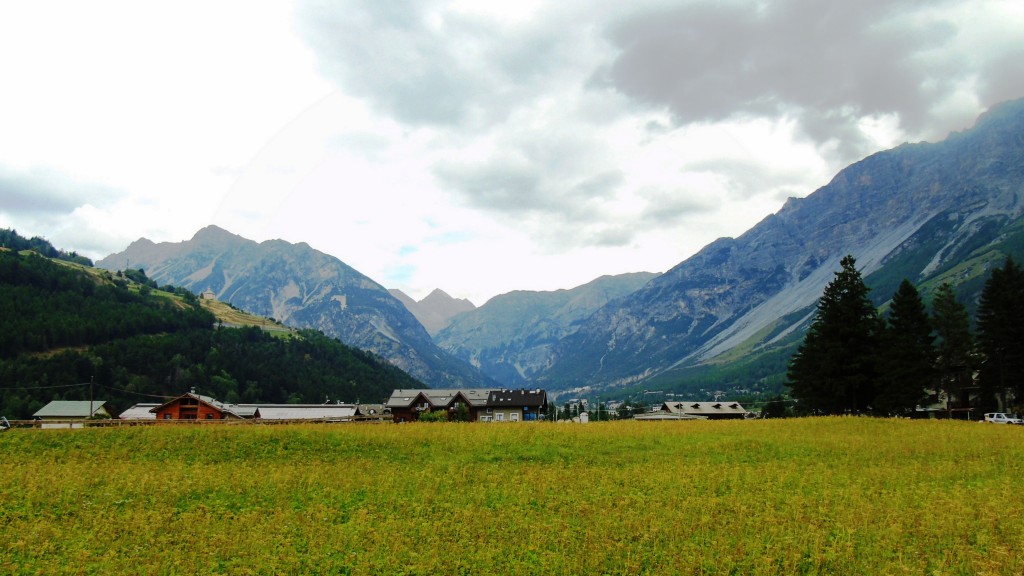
856,360
10,239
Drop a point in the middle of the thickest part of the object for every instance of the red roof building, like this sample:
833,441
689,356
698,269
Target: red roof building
194,407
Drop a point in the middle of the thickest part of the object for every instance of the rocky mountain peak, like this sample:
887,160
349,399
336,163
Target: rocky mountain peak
436,310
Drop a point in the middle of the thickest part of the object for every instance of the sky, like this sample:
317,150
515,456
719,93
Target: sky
476,147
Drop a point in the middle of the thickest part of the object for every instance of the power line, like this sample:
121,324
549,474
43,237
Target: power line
42,387
136,393
85,384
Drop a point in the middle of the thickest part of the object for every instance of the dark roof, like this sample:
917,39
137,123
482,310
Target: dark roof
476,397
704,408
521,397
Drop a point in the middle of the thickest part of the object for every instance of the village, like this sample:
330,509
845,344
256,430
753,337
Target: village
491,405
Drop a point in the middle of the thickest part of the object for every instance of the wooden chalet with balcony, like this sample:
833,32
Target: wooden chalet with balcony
192,406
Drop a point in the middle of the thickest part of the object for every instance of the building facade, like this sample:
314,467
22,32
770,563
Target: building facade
471,404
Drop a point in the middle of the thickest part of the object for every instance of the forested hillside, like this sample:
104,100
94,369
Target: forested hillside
11,240
65,327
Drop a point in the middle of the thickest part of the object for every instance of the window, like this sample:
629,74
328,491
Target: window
209,416
513,416
499,417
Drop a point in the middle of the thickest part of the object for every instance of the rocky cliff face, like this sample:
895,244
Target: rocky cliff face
511,337
918,211
435,312
301,287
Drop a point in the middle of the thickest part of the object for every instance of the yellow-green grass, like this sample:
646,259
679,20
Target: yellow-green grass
234,317
810,496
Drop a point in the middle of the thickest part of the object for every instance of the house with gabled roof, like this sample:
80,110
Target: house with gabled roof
676,410
192,406
73,410
71,413
515,405
478,404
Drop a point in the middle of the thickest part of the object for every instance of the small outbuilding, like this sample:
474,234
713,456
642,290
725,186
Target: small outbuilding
71,413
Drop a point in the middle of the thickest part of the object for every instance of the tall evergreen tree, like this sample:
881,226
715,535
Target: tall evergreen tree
955,347
907,355
834,369
1001,334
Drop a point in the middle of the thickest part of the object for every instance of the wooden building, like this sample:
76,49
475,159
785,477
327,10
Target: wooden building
475,404
191,406
696,410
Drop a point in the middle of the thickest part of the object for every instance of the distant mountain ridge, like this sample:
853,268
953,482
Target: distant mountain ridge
927,212
511,337
304,288
435,311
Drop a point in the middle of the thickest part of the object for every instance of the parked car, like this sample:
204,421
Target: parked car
1002,418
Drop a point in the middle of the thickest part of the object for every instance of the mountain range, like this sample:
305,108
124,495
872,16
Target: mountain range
929,212
304,288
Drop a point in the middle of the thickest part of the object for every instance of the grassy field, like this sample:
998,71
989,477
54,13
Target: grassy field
235,317
809,496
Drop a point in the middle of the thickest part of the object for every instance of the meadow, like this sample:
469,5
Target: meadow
807,496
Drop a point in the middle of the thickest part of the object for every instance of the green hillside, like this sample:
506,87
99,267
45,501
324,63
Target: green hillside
66,325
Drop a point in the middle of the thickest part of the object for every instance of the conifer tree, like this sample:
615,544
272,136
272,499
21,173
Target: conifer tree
955,346
1001,334
835,368
907,355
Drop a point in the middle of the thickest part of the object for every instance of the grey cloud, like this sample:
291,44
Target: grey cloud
825,63
746,179
1003,77
601,186
557,199
386,50
668,207
561,173
505,184
43,194
613,236
424,65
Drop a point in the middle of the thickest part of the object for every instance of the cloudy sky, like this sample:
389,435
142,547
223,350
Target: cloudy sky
478,147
